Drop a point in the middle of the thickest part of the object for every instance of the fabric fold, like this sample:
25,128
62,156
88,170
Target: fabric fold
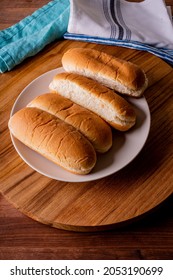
147,22
146,25
33,33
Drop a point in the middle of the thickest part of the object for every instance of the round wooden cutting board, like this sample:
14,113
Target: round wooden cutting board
114,200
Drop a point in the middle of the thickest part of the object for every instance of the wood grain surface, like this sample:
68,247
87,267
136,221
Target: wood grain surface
149,238
115,199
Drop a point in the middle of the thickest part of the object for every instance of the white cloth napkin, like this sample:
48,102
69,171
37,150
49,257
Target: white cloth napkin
148,22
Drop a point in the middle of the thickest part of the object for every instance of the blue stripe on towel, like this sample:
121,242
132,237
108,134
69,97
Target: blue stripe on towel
121,20
115,18
113,26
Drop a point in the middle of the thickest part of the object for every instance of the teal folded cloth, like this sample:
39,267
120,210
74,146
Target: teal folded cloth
33,33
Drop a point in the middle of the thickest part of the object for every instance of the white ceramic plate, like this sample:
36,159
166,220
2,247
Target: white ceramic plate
126,145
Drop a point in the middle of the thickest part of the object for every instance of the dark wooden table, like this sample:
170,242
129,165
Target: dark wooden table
23,238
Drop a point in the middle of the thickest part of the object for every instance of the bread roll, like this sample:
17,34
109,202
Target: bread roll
89,124
90,94
54,139
117,74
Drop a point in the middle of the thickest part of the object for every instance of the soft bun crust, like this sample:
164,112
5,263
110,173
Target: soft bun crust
89,124
90,94
54,139
117,74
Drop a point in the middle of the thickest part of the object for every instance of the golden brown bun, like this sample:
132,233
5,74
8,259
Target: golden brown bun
117,74
89,124
54,139
99,99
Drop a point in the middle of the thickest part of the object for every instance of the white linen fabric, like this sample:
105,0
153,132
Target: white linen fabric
148,22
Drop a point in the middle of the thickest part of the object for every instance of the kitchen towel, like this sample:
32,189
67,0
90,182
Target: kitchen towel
145,25
33,33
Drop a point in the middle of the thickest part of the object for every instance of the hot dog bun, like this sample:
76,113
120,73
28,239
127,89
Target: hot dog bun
54,139
117,74
99,99
89,124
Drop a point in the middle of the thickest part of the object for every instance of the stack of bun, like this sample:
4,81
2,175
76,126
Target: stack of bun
74,122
